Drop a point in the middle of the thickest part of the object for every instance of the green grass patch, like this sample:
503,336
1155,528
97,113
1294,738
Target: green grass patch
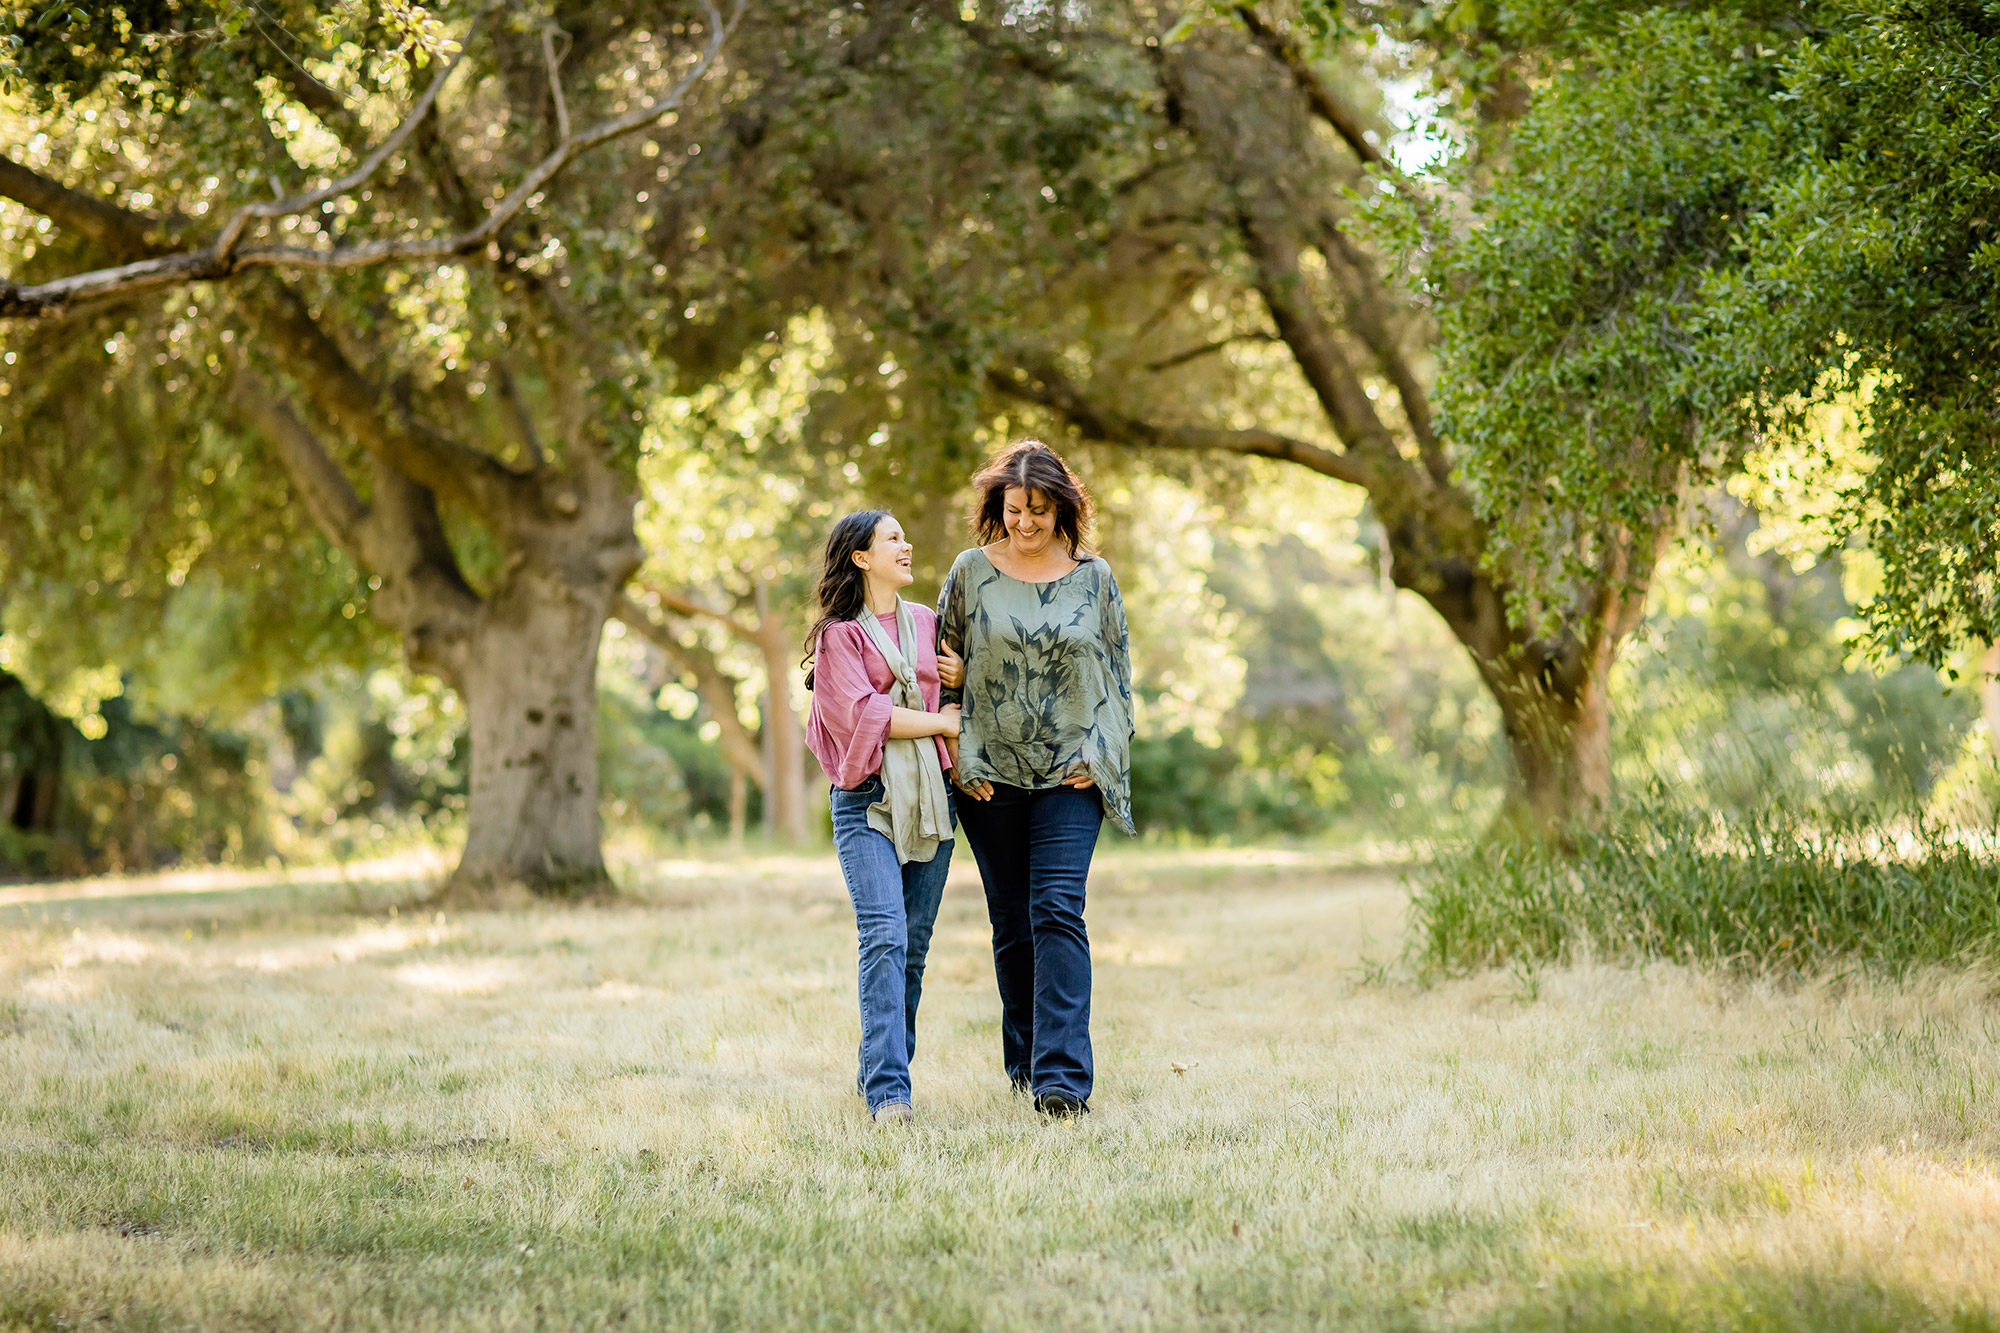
1770,892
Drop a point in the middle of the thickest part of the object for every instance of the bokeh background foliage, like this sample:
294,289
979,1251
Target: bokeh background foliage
1627,255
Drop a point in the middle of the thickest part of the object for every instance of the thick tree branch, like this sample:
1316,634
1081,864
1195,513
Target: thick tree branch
232,231
554,64
1319,356
348,401
1208,349
1329,108
329,496
116,231
682,605
424,594
224,260
517,411
401,538
1367,309
1048,388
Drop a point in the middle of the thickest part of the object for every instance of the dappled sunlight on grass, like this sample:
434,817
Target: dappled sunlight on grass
481,978
366,942
646,1111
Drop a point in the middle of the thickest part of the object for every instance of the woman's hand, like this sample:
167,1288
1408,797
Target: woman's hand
1082,781
951,668
948,722
978,791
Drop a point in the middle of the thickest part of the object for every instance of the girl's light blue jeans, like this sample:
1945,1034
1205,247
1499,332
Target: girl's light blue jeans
895,909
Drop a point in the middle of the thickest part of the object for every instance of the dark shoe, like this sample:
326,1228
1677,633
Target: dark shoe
1060,1105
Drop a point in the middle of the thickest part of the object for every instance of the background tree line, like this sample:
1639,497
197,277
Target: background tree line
336,335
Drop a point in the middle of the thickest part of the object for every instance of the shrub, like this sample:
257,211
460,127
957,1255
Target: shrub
1772,891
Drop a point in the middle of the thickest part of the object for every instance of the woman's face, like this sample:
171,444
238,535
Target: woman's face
888,556
1031,521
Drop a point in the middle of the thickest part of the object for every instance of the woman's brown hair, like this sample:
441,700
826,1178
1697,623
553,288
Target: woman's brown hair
1032,466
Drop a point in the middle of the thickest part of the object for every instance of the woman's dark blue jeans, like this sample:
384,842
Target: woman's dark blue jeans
1033,849
895,909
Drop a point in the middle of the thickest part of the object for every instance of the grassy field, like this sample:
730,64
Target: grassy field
315,1106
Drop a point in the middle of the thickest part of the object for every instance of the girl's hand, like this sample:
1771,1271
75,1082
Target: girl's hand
1081,781
978,791
951,668
948,716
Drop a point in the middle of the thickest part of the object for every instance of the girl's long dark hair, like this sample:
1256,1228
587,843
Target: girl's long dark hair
843,588
1032,466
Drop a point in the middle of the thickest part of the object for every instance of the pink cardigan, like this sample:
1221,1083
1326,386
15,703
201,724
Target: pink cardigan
850,700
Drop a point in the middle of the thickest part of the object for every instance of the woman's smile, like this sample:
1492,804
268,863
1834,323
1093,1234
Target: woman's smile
1030,521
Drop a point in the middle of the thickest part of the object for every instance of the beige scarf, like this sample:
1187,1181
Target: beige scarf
914,812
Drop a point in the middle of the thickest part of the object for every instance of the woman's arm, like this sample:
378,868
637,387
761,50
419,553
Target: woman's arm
1117,640
1117,652
951,617
951,637
951,668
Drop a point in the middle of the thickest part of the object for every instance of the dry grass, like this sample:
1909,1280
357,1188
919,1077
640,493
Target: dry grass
293,1109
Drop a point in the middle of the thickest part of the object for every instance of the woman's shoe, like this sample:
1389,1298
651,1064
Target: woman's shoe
1060,1105
893,1113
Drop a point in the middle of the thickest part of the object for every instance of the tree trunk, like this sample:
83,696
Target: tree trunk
739,804
1554,692
1989,695
1557,716
786,814
529,681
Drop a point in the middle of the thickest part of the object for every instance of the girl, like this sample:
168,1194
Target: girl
877,730
1045,752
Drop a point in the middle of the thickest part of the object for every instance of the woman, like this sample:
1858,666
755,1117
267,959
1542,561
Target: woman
1043,751
877,730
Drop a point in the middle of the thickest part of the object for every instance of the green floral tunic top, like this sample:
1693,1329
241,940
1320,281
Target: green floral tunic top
1048,678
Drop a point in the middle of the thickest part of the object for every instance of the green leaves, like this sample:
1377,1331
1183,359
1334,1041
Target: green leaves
61,12
1573,369
1709,219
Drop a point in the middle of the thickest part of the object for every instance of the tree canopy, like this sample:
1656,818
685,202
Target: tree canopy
1714,220
335,331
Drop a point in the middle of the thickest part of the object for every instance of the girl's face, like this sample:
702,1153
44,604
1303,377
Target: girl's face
1031,521
887,558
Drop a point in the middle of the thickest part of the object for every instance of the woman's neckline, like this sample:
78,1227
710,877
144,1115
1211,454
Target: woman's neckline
1032,583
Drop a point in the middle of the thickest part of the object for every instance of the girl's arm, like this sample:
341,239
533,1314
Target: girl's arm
852,716
909,723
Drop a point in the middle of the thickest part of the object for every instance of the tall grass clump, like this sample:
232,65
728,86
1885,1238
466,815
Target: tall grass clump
1771,890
